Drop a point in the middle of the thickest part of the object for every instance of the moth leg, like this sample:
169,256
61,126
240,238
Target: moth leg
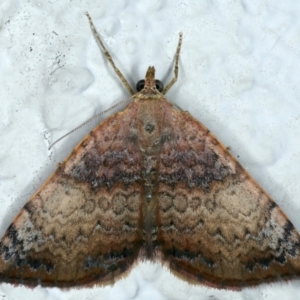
108,56
176,66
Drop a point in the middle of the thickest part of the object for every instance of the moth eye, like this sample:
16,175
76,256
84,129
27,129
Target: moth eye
159,85
140,85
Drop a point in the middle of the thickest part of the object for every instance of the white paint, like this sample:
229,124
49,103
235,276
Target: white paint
239,74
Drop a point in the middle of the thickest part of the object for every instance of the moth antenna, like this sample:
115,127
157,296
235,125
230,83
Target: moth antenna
167,99
177,106
89,120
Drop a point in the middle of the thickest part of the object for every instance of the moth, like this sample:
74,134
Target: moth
150,182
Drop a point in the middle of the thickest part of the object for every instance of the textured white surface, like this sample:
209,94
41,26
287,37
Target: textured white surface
239,75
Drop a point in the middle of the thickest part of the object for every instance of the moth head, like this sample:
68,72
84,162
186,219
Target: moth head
150,83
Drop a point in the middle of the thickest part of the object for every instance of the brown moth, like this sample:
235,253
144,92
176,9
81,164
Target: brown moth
150,182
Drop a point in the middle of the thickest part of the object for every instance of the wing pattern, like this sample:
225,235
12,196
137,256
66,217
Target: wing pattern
84,224
150,182
215,224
